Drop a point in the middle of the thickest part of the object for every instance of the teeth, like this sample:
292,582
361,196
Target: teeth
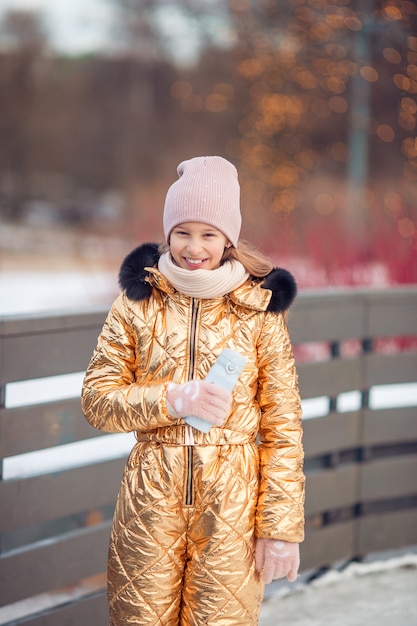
195,261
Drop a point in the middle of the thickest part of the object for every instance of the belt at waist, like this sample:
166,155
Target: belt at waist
177,435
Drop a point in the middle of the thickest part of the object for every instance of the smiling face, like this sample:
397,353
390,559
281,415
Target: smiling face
195,245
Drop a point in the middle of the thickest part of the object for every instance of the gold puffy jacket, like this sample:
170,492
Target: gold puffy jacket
191,504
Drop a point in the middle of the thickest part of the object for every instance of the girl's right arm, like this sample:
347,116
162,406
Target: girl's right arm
112,401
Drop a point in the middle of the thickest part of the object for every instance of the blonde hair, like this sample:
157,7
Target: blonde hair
254,261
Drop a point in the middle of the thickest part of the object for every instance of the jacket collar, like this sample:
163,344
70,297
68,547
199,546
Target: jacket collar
139,274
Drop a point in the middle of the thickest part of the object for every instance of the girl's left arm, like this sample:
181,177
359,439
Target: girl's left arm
280,511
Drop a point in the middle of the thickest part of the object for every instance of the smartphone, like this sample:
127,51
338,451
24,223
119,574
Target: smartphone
224,372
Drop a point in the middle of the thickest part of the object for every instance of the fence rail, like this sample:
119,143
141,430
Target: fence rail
361,463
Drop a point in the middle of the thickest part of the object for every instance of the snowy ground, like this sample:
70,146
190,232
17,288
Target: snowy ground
40,291
380,592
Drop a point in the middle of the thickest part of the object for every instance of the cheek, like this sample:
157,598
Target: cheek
217,256
220,251
174,247
174,251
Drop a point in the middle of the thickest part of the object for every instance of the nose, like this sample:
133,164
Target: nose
194,246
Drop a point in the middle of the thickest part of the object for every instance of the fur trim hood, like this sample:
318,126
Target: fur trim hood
134,279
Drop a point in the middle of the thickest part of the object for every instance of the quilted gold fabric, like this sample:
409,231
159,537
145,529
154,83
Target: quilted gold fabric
188,510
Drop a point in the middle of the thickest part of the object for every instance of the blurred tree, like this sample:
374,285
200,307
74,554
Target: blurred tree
322,108
302,95
23,34
169,29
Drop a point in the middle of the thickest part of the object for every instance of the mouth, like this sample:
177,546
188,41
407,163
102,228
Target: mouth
194,262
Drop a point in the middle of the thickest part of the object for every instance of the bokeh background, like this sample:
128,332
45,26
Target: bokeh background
315,101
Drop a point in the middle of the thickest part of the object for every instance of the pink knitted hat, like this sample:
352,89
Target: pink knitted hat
207,191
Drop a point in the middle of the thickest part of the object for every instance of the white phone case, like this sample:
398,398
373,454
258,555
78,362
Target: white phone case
224,372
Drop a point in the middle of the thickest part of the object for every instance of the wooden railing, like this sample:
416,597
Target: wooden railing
361,463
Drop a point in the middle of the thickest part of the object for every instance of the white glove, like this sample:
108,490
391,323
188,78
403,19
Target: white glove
201,399
277,559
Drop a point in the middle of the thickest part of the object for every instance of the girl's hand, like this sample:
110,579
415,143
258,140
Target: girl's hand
201,399
277,559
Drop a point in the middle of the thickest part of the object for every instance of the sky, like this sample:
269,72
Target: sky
74,26
84,26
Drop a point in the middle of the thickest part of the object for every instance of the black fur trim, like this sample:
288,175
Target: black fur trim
283,287
132,278
132,273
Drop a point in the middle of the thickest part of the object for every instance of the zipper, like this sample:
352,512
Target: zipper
190,451
189,482
193,333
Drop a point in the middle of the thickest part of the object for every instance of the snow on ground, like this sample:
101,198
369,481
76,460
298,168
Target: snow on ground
40,291
379,592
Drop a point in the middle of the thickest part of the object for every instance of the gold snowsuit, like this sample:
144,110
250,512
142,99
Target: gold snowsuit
191,504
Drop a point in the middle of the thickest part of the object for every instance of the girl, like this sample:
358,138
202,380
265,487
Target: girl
203,520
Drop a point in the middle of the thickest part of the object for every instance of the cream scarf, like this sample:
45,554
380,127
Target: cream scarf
203,283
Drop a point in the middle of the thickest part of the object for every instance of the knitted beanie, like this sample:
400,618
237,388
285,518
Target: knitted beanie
207,191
